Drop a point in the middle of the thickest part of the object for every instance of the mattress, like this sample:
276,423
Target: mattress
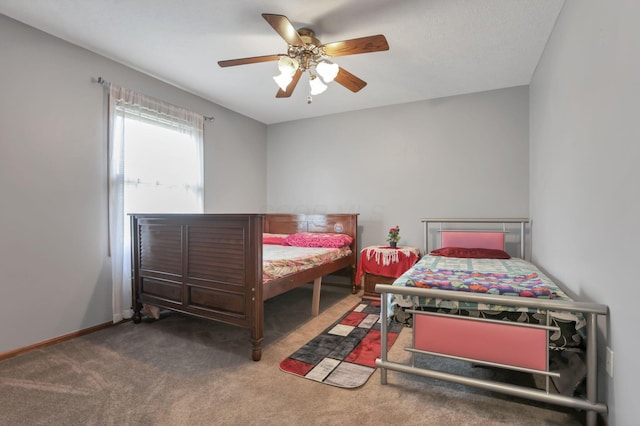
513,277
279,261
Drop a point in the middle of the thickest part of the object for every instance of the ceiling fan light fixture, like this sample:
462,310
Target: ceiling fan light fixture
283,80
327,70
287,65
317,86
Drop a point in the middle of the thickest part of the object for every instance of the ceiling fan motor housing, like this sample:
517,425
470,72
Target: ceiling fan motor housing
308,36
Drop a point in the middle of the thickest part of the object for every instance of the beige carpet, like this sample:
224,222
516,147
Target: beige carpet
181,371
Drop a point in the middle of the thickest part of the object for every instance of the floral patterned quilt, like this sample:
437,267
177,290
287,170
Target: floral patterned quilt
529,285
513,277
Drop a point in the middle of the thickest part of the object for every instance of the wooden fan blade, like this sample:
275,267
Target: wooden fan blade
283,26
369,44
252,60
285,94
349,80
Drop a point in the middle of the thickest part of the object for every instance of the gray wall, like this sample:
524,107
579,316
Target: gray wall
462,156
55,275
585,200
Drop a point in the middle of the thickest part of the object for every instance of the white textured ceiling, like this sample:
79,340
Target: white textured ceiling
437,48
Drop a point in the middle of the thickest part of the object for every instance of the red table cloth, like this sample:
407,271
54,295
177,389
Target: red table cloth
386,261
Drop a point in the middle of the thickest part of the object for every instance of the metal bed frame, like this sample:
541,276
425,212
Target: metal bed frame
591,312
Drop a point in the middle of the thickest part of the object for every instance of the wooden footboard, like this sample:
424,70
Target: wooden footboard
210,265
523,347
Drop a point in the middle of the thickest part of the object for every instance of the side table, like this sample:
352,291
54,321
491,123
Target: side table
382,265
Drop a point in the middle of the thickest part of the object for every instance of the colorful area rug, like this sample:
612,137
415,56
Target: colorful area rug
344,354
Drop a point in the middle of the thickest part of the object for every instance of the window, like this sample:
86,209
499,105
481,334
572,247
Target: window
161,168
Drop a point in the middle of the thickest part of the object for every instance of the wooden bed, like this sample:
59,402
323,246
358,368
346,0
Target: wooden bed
210,265
456,317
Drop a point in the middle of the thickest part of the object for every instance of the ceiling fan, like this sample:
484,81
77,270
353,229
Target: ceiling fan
305,53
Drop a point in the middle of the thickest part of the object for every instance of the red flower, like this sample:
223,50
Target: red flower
394,234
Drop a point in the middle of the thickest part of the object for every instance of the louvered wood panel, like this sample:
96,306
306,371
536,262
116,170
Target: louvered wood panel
216,254
161,248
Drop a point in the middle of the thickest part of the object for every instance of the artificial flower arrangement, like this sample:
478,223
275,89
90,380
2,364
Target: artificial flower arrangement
394,234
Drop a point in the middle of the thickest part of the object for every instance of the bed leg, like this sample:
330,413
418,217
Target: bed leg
384,346
355,287
592,366
315,303
257,327
137,317
256,353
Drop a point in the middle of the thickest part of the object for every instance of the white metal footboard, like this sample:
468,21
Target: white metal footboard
591,311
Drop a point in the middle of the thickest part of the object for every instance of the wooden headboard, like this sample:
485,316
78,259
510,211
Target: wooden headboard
341,223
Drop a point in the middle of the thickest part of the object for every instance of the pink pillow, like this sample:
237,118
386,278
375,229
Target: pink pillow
317,239
277,239
475,253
